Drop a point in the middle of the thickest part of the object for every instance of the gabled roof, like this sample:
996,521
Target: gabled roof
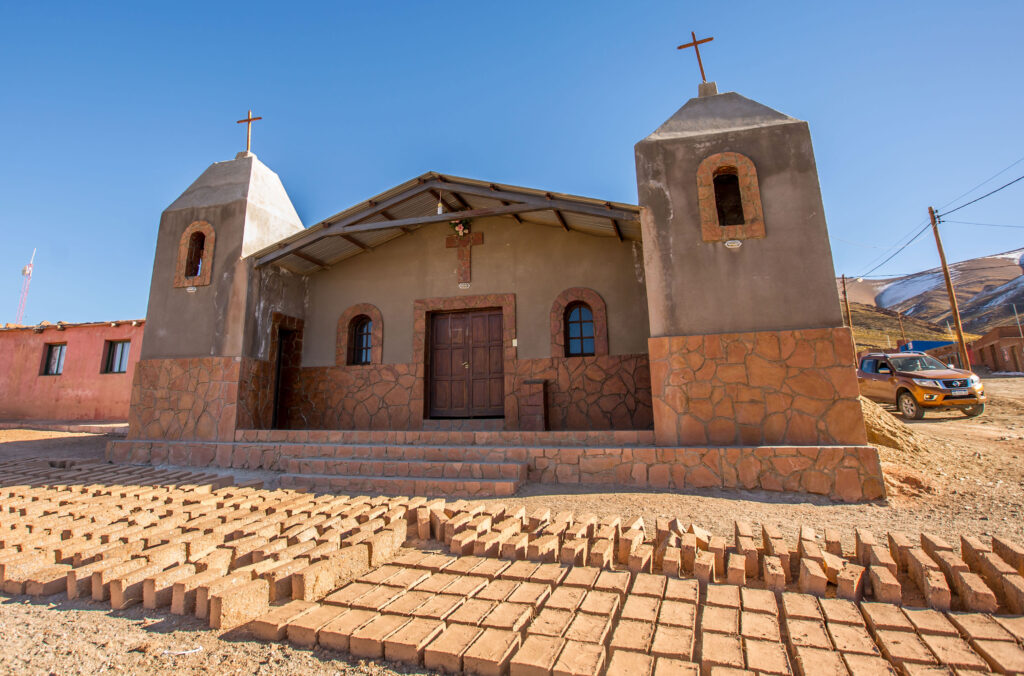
413,204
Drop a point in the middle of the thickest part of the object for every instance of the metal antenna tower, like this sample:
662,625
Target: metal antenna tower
26,273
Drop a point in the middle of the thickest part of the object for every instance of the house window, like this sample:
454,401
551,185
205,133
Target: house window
53,361
727,197
579,330
360,341
194,261
116,359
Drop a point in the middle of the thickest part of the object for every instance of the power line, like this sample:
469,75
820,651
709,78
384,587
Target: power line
988,194
993,176
895,253
922,272
989,225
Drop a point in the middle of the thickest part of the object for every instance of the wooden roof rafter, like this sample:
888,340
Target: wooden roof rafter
402,209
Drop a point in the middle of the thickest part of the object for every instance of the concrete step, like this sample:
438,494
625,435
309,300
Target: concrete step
392,485
593,438
416,469
407,452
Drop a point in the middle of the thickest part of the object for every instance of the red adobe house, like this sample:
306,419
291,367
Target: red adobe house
80,372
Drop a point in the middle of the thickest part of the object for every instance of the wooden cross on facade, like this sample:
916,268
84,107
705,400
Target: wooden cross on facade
696,47
248,129
464,245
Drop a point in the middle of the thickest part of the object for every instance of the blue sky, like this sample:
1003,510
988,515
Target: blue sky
109,110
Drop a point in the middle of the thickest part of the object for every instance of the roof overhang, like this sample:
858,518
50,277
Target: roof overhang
413,204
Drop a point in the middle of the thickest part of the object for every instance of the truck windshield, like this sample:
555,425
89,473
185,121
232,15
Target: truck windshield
917,363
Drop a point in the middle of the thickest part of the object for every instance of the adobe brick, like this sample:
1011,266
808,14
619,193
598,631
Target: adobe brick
184,593
491,652
704,567
445,653
721,650
279,578
766,657
885,616
899,545
304,628
901,647
588,628
736,571
473,611
582,576
974,594
337,634
536,656
509,616
1011,552
49,580
819,662
954,652
800,606
850,582
408,642
601,554
368,640
629,663
863,539
1002,657
239,605
932,544
716,546
158,589
812,577
884,585
773,572
532,593
851,638
126,590
808,633
551,622
629,541
980,627
521,571
219,560
632,635
205,591
101,577
79,579
832,566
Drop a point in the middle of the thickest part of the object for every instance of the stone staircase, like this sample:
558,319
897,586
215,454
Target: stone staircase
443,462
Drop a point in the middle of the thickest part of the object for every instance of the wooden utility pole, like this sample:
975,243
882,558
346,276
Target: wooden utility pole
849,317
902,330
965,361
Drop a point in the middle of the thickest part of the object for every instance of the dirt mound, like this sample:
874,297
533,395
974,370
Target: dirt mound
885,429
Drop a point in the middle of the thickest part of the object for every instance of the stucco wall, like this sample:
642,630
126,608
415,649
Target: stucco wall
83,391
534,262
784,281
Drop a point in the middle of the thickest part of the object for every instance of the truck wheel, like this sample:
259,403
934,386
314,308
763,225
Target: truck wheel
909,406
974,411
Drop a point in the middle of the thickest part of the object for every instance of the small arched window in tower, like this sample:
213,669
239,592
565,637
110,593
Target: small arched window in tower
579,330
194,259
727,196
360,342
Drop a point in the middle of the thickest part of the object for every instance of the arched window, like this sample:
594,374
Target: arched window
360,342
579,330
727,196
194,260
195,255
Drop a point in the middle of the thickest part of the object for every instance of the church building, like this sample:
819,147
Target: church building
460,330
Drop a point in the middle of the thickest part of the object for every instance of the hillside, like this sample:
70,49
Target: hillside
986,289
878,329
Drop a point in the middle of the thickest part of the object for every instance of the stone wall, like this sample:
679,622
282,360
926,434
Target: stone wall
184,399
371,397
769,387
609,392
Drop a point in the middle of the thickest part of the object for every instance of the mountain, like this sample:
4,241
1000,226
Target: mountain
986,289
876,328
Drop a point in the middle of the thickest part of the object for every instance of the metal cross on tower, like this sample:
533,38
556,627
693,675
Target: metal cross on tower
696,47
248,129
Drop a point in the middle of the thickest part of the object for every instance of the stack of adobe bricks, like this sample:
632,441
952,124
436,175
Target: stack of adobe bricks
515,592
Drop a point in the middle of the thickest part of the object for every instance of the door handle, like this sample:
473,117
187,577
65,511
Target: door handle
465,364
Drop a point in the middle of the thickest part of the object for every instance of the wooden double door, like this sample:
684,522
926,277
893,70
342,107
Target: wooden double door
466,378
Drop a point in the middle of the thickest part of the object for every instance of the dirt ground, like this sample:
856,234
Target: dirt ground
967,477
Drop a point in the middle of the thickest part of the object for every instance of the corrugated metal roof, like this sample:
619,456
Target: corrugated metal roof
348,234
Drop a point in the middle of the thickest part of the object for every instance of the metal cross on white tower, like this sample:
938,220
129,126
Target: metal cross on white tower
26,273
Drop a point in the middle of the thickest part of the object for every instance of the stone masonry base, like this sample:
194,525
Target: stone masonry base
847,473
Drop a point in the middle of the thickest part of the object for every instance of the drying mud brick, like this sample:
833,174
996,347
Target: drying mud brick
580,659
158,590
408,643
368,640
491,653
273,625
628,663
238,605
537,656
305,629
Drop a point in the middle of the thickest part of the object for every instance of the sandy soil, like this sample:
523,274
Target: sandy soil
968,479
